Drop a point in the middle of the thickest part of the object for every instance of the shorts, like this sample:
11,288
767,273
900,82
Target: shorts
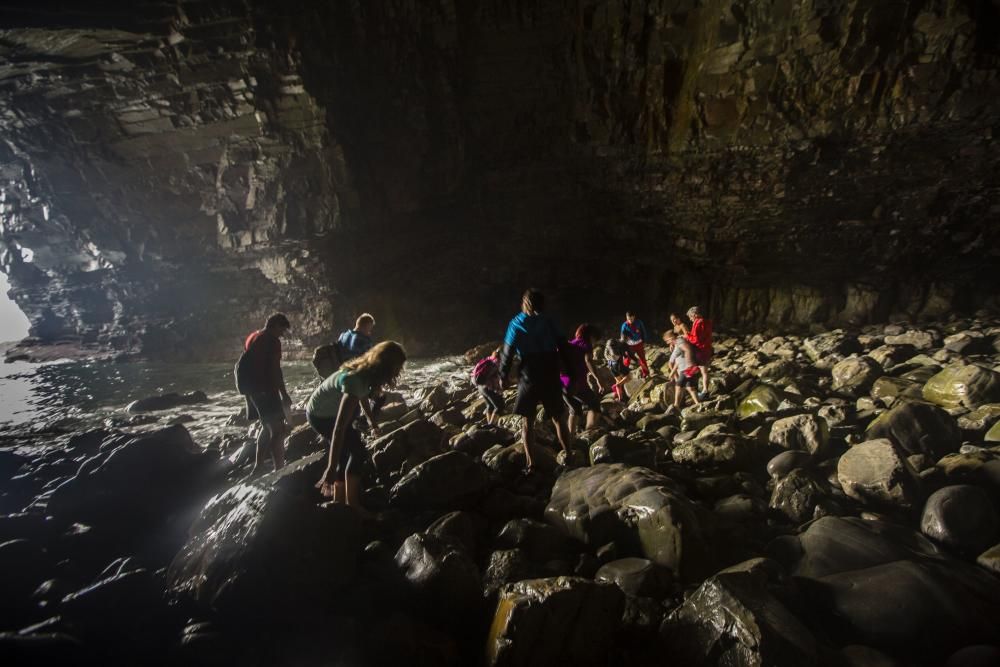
265,406
619,368
685,380
352,452
494,400
702,357
531,393
582,400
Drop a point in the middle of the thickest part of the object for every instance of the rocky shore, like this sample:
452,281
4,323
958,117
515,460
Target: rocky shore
836,502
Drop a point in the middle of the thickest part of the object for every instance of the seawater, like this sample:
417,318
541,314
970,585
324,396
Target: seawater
84,393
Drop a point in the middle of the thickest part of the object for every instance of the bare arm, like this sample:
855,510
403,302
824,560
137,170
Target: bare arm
344,414
593,373
366,405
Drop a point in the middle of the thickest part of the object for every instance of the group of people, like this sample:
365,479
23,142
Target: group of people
555,372
560,374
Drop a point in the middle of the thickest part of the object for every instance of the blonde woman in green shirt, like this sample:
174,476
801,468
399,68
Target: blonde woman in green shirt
337,402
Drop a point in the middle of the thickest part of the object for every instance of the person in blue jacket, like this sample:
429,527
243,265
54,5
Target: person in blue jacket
355,342
534,338
633,332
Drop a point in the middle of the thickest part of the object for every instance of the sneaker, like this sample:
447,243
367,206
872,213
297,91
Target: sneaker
702,395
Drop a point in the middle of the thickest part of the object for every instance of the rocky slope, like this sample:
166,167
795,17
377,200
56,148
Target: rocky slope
835,503
174,170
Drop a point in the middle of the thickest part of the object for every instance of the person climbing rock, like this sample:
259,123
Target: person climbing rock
355,342
486,377
333,408
259,378
616,358
633,332
700,337
683,369
678,324
580,397
534,338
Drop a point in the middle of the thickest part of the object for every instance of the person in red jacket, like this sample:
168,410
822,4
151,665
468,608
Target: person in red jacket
268,398
700,337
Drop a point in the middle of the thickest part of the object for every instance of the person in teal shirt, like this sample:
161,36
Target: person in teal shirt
336,403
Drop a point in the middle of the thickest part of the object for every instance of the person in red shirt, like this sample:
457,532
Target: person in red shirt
700,337
267,398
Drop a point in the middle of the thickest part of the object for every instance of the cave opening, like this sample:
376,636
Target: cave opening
14,324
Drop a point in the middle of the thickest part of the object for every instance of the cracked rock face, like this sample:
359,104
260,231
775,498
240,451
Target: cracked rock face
172,172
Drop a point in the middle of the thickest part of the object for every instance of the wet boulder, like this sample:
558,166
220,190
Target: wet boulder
877,472
806,433
967,386
563,620
833,343
433,399
732,619
763,399
961,517
441,574
267,547
636,577
302,441
919,340
854,376
136,478
978,422
505,566
786,462
446,481
918,428
125,607
889,356
993,435
643,513
166,402
990,559
922,609
540,541
723,451
477,439
399,451
888,389
799,495
613,448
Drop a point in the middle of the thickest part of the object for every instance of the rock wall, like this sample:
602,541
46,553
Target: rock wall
172,171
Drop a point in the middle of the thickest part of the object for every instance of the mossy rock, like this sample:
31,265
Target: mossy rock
762,399
966,386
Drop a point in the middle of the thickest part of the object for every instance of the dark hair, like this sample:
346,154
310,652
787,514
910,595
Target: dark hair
534,298
629,312
363,319
277,320
587,331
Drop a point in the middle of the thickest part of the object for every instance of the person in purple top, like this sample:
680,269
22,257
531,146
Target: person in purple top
579,396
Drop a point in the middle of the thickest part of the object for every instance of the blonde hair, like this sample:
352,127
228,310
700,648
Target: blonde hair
382,364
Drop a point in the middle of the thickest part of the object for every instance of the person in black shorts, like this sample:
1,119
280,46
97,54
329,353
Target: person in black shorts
535,339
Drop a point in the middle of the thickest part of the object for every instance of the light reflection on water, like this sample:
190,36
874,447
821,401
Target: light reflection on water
32,394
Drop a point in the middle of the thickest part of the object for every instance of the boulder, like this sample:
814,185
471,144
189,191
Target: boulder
723,451
854,376
463,529
505,566
406,447
785,462
643,513
558,621
137,478
446,481
539,541
267,547
636,577
433,399
918,428
888,389
961,517
834,343
732,619
799,495
613,448
477,439
761,400
876,472
920,340
990,559
166,402
889,356
696,418
978,422
442,575
967,386
993,435
302,441
807,433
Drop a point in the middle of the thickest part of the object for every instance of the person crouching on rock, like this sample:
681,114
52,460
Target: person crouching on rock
337,402
486,377
579,395
633,332
615,354
534,338
683,369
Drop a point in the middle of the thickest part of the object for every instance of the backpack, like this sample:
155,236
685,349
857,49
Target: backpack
484,370
327,359
246,369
